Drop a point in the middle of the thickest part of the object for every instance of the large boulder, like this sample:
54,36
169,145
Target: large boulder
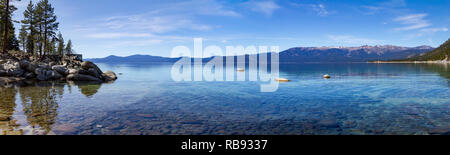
109,76
24,64
30,67
82,77
95,73
87,64
61,69
45,74
12,68
92,69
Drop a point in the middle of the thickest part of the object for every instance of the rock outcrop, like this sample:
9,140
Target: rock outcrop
48,69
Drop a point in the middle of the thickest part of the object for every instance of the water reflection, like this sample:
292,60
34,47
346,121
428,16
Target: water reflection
89,89
8,125
39,102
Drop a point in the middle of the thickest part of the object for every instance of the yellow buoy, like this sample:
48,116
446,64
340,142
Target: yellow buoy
282,80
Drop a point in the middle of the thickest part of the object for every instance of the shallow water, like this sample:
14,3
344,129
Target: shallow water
358,99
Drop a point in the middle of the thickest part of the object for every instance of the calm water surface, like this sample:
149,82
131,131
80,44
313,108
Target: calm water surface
359,99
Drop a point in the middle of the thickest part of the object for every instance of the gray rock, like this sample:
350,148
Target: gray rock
92,69
52,64
15,72
87,65
12,68
3,73
82,71
29,75
109,76
45,75
73,71
44,66
55,75
31,67
24,64
60,69
82,77
95,73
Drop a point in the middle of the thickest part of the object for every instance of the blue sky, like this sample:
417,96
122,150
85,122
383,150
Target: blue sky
99,28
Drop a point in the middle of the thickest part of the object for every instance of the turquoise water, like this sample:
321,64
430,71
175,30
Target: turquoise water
358,99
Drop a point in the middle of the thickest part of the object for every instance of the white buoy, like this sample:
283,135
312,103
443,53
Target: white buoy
282,80
326,76
240,69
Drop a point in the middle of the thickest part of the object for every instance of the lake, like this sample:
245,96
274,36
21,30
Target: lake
359,99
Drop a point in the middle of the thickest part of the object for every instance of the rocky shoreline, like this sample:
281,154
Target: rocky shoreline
16,68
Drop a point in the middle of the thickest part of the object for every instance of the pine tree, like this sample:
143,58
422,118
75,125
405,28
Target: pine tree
6,17
60,44
48,24
8,41
69,47
38,20
30,25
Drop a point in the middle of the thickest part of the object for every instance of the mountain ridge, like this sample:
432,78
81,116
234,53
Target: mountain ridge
309,54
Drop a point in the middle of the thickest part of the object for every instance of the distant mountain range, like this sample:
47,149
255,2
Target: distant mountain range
307,54
133,58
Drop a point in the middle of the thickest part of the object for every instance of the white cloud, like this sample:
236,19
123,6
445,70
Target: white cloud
168,17
320,9
435,30
412,22
118,35
348,39
264,7
154,23
385,6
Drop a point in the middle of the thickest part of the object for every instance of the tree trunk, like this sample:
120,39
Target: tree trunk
5,37
40,41
45,39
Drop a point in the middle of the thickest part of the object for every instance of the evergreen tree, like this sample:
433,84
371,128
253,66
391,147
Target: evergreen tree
48,24
69,47
30,25
8,41
38,12
60,44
